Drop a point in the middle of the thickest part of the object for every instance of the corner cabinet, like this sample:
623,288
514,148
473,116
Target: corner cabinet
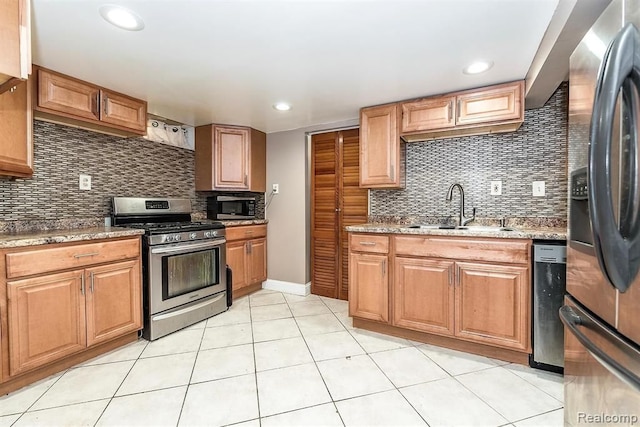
15,49
230,158
369,277
16,128
67,100
64,301
247,257
381,150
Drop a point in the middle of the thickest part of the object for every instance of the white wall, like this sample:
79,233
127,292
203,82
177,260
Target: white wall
289,217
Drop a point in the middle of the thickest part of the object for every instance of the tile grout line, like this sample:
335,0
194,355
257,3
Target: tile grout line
193,368
255,363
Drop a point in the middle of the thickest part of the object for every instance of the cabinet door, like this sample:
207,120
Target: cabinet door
257,260
46,319
368,286
114,305
500,103
66,95
123,111
16,126
231,152
428,114
423,295
492,304
15,49
380,147
237,260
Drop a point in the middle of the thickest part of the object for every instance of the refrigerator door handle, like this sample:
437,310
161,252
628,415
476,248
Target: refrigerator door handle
618,255
572,321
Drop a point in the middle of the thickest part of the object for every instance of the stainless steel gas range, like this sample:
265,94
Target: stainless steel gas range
183,264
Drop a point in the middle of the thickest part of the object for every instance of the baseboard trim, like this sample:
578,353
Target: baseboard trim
287,287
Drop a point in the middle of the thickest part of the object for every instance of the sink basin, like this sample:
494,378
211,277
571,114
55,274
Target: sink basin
466,227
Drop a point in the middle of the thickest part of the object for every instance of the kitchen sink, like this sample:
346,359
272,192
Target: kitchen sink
466,227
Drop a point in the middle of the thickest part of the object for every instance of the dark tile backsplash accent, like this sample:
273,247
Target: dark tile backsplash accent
536,152
133,167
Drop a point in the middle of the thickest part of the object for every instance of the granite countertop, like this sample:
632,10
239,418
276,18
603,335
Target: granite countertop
33,238
541,233
238,222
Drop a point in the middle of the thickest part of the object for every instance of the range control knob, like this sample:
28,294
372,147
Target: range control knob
214,233
192,236
207,234
176,237
168,238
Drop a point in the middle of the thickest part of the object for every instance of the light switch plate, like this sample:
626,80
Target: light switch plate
538,188
496,188
85,182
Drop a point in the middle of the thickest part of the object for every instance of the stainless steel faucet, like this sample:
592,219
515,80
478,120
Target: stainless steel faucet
463,219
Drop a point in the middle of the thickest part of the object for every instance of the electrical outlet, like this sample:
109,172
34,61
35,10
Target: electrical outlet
85,182
538,188
496,188
276,189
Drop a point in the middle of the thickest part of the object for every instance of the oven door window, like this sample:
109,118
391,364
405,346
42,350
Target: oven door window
189,272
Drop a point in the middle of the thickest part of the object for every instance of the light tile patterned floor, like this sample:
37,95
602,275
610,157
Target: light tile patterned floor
286,360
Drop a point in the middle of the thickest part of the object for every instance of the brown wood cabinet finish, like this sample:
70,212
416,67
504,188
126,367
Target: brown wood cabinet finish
429,113
47,316
230,158
15,49
381,150
46,319
16,128
336,202
113,301
498,103
64,99
492,304
423,295
369,286
247,257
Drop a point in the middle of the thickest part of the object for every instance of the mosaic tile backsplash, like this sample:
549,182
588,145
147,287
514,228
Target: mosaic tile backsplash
132,167
536,152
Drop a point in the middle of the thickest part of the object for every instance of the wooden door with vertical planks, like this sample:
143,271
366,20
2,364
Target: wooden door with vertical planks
336,201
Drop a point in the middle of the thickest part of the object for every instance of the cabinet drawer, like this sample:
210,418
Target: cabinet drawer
493,250
45,260
245,232
369,243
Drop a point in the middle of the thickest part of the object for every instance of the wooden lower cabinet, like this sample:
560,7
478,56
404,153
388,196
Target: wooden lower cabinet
492,304
113,300
369,286
247,257
423,295
46,319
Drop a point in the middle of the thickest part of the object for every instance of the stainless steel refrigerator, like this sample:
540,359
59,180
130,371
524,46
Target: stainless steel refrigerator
601,314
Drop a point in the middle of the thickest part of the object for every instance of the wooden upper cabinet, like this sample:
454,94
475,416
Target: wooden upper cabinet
16,128
64,99
491,109
123,111
429,113
381,150
15,48
498,103
67,95
230,158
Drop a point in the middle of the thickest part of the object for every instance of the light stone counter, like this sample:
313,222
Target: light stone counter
539,233
21,239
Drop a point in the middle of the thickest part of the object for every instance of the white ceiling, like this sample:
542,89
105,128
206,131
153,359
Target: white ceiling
229,61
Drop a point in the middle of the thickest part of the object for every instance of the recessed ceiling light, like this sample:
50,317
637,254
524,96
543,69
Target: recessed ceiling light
121,17
478,67
282,106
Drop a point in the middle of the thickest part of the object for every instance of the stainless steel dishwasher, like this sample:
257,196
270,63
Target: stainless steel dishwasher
549,286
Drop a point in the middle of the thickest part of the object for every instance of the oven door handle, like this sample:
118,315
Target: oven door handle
188,247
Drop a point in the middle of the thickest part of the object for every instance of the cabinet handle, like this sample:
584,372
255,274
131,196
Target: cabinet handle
13,89
106,105
384,266
457,278
91,284
450,278
458,109
86,255
82,284
96,106
245,179
368,243
248,232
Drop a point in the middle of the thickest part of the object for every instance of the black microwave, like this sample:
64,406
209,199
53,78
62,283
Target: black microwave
231,207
